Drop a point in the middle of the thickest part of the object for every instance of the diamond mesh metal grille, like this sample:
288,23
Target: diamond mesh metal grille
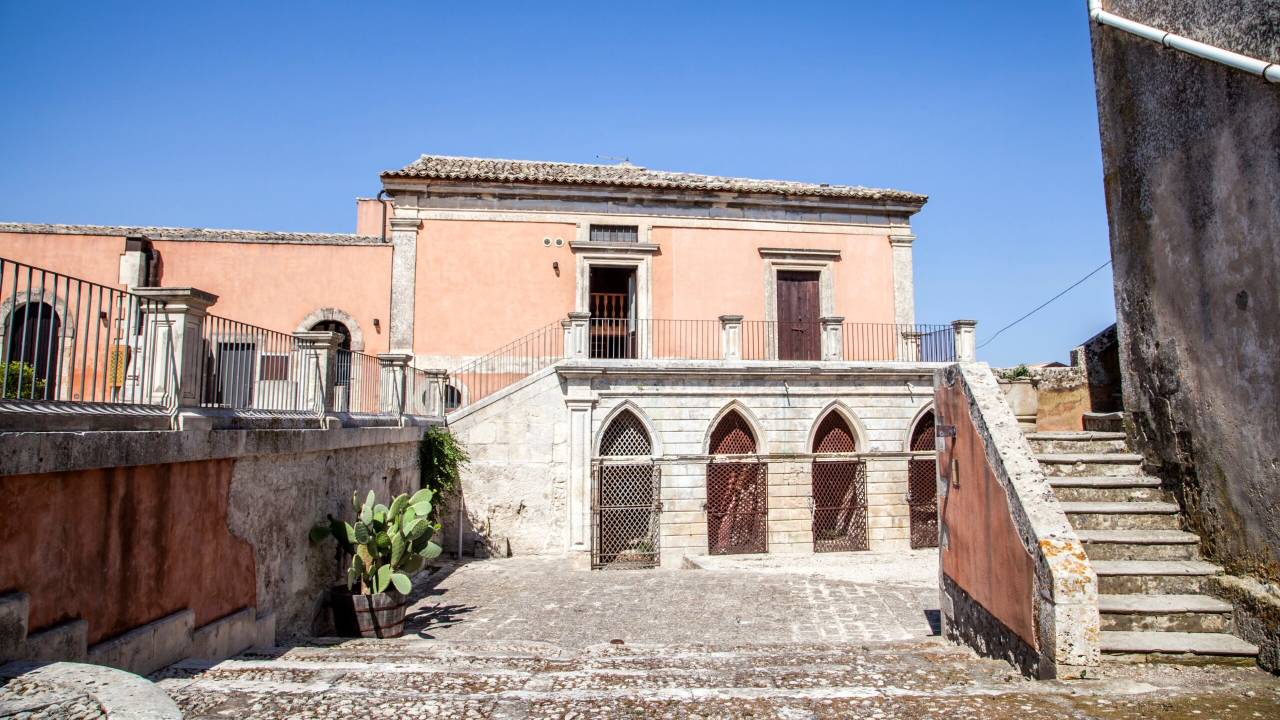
922,436
625,436
922,486
839,506
626,515
737,508
732,436
833,436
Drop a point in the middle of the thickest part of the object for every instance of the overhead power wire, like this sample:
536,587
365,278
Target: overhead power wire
1045,303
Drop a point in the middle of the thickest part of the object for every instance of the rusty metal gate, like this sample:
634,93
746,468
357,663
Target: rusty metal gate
626,500
922,486
839,490
737,492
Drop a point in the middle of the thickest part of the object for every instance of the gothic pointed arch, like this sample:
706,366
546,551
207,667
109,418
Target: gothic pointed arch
626,431
830,420
734,431
921,431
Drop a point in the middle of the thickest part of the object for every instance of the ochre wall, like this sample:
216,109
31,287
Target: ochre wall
95,258
277,285
122,547
482,284
983,553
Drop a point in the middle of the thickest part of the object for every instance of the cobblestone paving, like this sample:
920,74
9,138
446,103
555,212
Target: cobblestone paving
534,639
531,599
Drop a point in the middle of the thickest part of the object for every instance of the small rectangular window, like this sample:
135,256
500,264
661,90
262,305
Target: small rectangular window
273,367
615,233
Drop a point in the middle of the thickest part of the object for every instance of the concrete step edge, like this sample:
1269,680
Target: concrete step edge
1118,508
1138,537
1155,567
1108,482
1126,641
1160,604
1075,435
1089,458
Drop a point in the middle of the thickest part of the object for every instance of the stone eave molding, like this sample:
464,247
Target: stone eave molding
636,248
799,253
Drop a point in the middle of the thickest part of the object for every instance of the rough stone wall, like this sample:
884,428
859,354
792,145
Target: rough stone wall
1191,152
276,499
517,488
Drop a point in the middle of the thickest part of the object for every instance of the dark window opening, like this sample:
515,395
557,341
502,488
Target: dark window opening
613,312
615,233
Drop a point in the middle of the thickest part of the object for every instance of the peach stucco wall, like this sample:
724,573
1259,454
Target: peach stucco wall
95,258
276,286
483,284
983,553
369,217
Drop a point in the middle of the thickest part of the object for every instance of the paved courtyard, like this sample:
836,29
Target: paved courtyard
733,600
756,637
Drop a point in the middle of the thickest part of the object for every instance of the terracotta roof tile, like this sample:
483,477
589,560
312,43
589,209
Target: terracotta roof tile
196,234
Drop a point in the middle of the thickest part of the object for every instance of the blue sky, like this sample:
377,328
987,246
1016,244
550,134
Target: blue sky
276,115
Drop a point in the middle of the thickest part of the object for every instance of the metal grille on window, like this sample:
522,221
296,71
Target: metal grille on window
922,486
626,497
737,492
839,499
615,233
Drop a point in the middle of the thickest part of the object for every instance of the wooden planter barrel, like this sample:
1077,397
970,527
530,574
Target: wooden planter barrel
370,616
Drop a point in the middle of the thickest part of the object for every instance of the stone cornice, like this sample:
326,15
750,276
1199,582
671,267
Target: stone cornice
902,240
799,253
614,248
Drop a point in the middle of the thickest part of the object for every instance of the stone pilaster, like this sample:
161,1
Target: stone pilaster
832,338
173,320
966,340
731,337
910,346
580,328
904,296
317,362
404,276
391,392
580,406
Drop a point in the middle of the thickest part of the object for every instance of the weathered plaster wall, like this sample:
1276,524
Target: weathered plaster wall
1191,152
123,546
1016,583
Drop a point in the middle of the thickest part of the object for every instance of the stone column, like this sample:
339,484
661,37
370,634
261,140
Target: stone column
430,400
404,276
580,334
317,352
567,327
904,297
966,340
392,390
832,337
173,320
731,337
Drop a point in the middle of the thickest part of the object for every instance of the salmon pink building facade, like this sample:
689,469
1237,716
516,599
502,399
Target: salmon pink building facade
644,365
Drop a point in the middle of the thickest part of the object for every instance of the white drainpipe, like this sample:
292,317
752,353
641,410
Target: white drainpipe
1268,70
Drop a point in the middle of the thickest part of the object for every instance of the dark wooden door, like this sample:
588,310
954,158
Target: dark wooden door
798,309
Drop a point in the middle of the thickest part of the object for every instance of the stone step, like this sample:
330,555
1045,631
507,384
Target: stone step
1121,515
1175,643
1119,492
1153,577
1078,442
1104,422
1110,464
1165,613
1139,544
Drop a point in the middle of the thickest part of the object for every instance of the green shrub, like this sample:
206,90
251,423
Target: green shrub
18,373
440,461
1015,373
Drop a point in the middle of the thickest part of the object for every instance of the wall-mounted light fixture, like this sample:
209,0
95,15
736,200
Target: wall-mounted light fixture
555,265
377,326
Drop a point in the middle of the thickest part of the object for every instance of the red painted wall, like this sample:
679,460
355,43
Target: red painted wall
121,547
984,553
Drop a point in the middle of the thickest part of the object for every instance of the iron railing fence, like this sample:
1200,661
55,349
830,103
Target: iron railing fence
475,380
68,340
357,385
419,391
654,339
256,371
903,343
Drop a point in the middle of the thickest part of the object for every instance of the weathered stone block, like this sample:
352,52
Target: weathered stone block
14,612
65,641
148,648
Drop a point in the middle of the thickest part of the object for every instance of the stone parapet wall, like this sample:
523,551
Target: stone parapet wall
1016,582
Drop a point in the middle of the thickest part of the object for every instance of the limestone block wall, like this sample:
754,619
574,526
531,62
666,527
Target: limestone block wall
528,487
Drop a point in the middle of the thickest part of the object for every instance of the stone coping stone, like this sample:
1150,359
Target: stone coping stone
123,695
1120,641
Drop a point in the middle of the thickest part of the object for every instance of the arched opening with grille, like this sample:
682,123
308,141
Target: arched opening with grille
922,483
737,490
625,498
33,345
839,501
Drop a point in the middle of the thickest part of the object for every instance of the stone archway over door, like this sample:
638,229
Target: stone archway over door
839,488
922,485
625,497
737,490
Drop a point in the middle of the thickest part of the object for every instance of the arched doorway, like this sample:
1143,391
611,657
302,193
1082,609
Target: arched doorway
839,488
33,340
922,484
737,490
625,497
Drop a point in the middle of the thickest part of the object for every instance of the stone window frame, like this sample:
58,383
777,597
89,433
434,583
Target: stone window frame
753,420
623,255
861,439
799,260
911,428
655,440
338,315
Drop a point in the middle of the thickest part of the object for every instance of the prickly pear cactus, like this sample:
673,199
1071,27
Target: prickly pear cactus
386,544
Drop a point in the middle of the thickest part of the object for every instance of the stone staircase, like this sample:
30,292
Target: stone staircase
1151,578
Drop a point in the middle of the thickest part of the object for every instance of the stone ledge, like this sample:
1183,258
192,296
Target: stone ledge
150,647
